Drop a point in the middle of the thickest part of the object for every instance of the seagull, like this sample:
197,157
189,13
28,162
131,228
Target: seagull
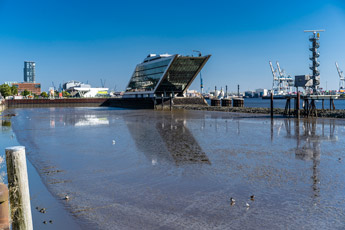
252,197
114,142
247,205
66,197
232,200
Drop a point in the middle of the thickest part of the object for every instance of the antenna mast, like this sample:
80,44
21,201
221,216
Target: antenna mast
314,39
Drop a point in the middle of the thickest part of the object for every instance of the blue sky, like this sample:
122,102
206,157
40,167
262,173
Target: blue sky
90,40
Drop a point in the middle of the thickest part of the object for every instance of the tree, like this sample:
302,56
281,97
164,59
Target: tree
65,94
25,93
5,90
44,94
14,90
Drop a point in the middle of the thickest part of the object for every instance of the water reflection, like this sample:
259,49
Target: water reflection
309,137
164,138
78,120
308,143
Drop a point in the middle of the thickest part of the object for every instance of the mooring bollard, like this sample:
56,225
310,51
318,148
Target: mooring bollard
4,208
18,188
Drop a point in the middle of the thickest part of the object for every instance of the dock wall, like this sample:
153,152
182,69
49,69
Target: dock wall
66,102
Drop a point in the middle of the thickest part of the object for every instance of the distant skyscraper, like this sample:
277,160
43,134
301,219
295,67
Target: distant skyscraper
29,71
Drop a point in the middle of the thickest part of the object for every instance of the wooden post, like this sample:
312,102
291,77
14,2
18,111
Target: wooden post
154,102
4,208
19,188
333,104
323,104
271,105
330,104
162,102
306,102
170,102
297,104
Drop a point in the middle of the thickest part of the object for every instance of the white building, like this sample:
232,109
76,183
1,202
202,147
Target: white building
91,92
261,92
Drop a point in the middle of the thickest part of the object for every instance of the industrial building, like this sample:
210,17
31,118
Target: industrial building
164,75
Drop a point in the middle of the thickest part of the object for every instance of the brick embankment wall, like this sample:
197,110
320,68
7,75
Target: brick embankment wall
66,102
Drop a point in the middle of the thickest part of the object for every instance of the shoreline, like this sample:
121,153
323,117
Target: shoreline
251,110
40,196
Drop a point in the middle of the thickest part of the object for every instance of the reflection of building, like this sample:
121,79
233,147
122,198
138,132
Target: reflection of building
165,139
164,74
78,120
308,139
34,88
29,71
308,146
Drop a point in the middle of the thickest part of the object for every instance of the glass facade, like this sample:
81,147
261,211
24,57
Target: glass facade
29,71
179,74
182,71
147,75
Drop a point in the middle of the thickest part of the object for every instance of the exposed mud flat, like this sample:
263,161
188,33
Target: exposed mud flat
130,169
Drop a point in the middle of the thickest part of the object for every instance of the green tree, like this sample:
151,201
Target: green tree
25,93
44,94
5,90
65,94
14,90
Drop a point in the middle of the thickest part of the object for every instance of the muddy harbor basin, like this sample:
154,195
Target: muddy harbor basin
145,169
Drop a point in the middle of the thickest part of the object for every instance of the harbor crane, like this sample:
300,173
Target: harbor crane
102,83
341,77
274,73
281,83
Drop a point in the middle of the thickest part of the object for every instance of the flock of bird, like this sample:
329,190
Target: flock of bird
232,201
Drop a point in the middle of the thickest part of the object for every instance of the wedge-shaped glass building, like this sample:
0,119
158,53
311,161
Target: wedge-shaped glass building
164,74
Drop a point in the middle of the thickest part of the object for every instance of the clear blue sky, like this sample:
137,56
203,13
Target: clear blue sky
88,40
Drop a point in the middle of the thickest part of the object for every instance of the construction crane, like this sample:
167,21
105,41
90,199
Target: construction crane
341,77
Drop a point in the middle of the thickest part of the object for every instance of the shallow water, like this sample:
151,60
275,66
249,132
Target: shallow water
178,170
39,195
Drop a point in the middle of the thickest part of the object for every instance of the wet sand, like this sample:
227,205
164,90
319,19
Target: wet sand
39,195
178,170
